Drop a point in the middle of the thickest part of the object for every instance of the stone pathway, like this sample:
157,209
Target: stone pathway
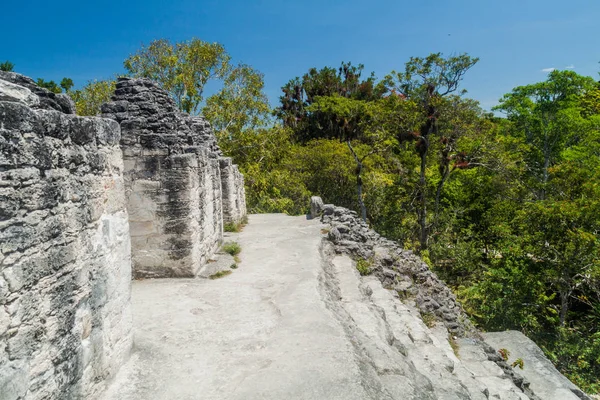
292,322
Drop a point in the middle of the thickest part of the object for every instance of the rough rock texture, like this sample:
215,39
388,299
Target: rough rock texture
233,195
180,189
544,378
316,207
407,277
65,266
398,269
40,98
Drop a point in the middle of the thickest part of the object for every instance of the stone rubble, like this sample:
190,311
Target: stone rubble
409,359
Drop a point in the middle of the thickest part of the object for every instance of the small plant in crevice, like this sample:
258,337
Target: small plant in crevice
232,248
236,227
219,274
504,353
233,266
403,295
518,363
429,319
231,227
364,266
454,344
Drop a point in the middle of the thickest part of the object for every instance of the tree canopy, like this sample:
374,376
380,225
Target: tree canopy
183,68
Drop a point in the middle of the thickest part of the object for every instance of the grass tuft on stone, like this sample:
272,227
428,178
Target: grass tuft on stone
232,248
231,227
236,227
219,274
429,319
363,266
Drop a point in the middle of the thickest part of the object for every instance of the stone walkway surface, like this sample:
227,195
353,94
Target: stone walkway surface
263,332
294,321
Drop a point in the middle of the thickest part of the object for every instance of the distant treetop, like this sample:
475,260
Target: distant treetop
7,66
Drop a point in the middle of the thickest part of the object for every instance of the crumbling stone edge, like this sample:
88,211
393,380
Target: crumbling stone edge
406,275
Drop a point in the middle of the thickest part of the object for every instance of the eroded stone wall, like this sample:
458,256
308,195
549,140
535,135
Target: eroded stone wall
180,188
234,198
65,266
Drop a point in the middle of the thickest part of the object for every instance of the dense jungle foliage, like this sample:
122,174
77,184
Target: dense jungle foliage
503,205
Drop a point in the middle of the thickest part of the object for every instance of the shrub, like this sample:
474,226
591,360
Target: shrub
232,248
363,266
429,319
231,227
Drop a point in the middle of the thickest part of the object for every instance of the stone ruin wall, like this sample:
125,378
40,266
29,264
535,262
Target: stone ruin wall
180,188
82,200
65,269
234,197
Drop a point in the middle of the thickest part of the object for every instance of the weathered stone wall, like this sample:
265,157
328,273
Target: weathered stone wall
179,187
65,266
234,197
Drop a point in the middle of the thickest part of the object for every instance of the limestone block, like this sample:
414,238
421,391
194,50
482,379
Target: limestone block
316,206
11,92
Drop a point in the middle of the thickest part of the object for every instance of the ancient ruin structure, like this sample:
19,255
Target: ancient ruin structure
65,264
87,203
82,199
180,189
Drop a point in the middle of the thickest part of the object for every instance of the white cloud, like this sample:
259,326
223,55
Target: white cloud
570,66
548,69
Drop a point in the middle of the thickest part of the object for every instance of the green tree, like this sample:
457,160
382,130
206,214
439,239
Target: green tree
89,98
548,118
351,121
183,68
426,81
239,108
7,66
537,224
298,95
50,85
66,84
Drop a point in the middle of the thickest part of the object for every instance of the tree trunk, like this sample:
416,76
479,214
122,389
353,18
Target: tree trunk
363,208
423,200
564,307
427,129
438,194
359,184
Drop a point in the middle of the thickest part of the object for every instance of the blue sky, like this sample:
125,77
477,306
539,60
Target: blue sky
515,39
